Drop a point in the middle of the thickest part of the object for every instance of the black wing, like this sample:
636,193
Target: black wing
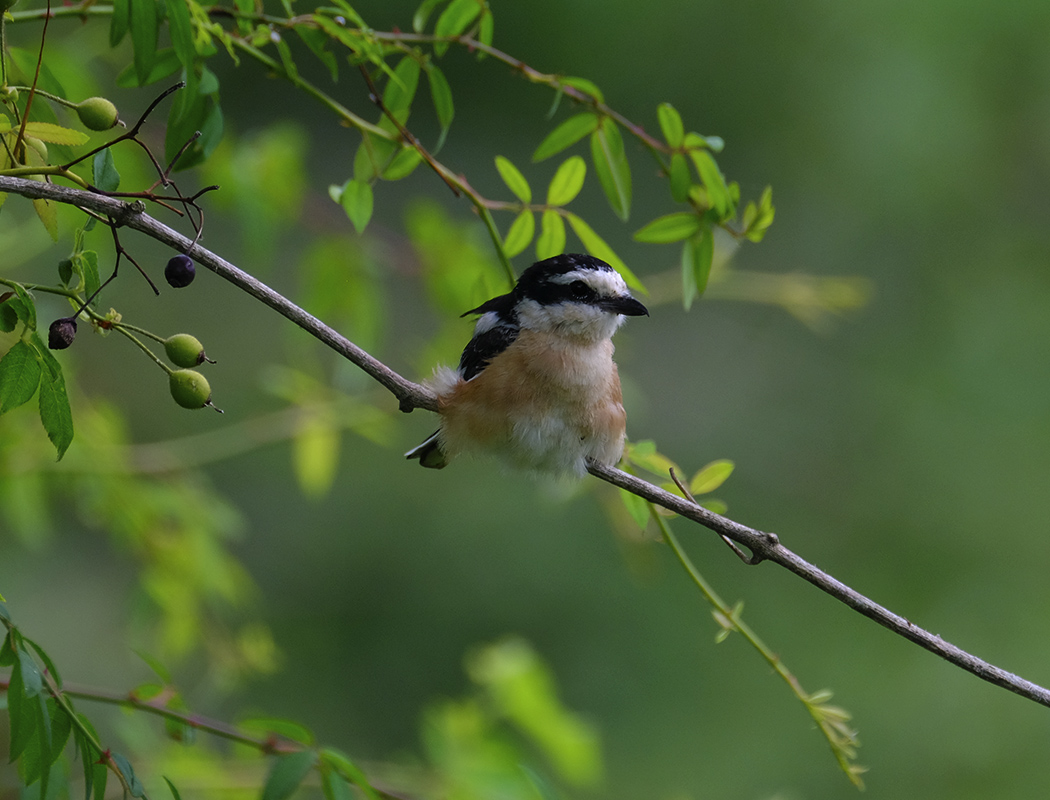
486,346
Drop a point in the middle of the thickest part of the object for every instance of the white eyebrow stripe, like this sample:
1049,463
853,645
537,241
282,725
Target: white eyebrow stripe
605,282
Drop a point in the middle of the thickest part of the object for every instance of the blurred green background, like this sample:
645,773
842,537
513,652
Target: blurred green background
903,448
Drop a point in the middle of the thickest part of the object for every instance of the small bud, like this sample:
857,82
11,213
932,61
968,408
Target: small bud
97,114
184,350
61,333
180,271
190,389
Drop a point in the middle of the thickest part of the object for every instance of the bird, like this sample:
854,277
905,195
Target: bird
537,385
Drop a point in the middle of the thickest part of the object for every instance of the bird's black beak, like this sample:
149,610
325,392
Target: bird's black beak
626,305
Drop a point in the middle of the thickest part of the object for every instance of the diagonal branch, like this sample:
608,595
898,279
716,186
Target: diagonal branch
409,395
763,545
767,547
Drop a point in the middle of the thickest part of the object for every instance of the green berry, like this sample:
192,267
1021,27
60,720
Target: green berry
39,147
185,351
97,114
190,389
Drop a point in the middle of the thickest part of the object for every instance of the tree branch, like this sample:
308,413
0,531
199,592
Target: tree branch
130,215
767,547
763,545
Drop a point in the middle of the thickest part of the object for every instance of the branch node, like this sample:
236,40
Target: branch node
127,211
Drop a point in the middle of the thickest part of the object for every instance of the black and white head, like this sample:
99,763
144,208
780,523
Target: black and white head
571,295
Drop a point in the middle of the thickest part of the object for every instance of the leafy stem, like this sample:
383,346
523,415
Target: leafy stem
831,720
126,330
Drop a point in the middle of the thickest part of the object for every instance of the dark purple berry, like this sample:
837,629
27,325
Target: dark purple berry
180,271
61,333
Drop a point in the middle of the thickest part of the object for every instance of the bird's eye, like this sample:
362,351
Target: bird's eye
580,290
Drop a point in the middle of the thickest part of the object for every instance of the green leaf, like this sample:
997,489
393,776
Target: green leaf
347,9
597,247
697,254
32,679
566,134
645,455
713,143
486,28
19,376
710,477
55,134
567,182
118,23
670,124
315,453
335,786
285,53
419,19
356,200
180,28
610,162
171,786
316,40
401,89
37,756
585,86
28,309
49,665
636,506
373,156
287,773
135,786
680,178
156,665
441,94
95,774
522,688
48,214
104,173
144,23
514,179
195,108
349,770
22,716
551,241
518,236
12,309
669,228
758,218
53,401
717,191
269,726
454,20
61,726
403,164
86,264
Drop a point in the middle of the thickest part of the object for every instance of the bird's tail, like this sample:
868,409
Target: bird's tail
429,453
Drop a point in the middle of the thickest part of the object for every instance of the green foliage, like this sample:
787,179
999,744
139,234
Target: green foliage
513,737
